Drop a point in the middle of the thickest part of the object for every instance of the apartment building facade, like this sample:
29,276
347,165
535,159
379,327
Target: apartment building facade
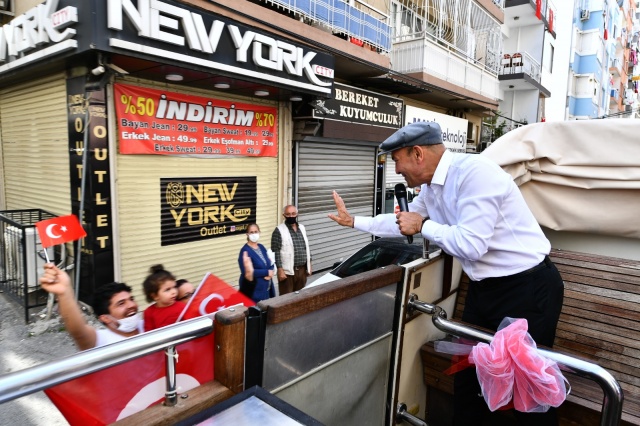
526,68
604,71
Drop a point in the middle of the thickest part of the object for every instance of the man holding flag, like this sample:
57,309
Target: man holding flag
100,398
113,305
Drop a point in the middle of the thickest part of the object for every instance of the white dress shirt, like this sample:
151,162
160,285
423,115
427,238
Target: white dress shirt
477,214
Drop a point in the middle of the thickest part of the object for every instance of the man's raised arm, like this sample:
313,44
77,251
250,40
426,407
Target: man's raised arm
57,281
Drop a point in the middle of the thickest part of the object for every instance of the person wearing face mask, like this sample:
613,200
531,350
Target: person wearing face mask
255,281
113,305
291,246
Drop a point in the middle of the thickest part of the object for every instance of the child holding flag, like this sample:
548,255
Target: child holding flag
160,287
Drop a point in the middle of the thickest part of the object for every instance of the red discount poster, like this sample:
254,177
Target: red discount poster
154,121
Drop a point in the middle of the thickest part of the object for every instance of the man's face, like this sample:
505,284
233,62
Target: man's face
122,305
405,165
291,212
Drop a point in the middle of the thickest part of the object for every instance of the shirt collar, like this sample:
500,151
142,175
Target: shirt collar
440,175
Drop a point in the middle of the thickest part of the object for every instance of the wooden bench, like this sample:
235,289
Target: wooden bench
599,322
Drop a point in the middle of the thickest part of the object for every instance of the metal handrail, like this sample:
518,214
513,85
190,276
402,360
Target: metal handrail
402,415
613,396
24,382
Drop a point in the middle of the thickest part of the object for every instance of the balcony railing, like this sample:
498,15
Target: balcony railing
521,62
614,68
360,21
462,41
429,57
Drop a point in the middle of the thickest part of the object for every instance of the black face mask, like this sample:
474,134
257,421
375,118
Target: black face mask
290,220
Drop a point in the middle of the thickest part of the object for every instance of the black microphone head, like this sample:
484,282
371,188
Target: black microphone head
400,190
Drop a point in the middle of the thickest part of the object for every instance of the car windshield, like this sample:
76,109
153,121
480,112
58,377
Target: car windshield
374,256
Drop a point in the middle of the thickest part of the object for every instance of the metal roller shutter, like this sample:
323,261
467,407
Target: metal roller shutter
323,166
33,122
391,178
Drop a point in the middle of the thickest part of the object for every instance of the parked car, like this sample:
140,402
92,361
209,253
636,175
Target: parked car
376,254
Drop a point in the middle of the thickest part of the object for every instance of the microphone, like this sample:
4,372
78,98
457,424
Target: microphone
401,195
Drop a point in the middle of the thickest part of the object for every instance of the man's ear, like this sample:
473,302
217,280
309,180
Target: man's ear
107,320
418,152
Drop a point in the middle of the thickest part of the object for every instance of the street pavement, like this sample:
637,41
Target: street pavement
26,345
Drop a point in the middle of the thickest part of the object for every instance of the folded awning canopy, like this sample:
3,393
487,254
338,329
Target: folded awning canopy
581,176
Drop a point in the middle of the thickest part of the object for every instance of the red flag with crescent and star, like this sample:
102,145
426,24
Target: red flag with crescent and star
113,394
59,230
211,296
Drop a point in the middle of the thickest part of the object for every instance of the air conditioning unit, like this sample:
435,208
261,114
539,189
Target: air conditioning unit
584,14
14,249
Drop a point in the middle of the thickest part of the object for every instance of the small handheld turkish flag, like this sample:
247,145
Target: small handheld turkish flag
59,230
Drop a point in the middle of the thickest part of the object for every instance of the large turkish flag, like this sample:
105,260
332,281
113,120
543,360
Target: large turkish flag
115,393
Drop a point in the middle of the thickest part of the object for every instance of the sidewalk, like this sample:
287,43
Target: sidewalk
26,345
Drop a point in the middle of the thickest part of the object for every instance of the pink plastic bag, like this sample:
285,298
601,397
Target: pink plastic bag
511,368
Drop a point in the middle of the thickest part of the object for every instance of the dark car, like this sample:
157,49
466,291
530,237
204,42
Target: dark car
376,254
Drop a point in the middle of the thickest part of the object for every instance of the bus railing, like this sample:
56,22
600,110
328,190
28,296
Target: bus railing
613,396
24,382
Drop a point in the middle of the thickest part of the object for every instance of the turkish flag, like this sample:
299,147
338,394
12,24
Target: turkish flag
550,20
59,230
212,295
539,9
117,392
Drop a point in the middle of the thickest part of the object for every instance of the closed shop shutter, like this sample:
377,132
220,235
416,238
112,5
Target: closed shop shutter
35,147
322,166
139,198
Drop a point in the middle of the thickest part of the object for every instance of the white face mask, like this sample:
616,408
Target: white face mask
254,238
128,324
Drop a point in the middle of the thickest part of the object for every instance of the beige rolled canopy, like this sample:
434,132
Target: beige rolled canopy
581,176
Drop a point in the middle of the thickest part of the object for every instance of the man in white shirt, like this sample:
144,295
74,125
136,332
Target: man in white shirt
113,306
474,211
